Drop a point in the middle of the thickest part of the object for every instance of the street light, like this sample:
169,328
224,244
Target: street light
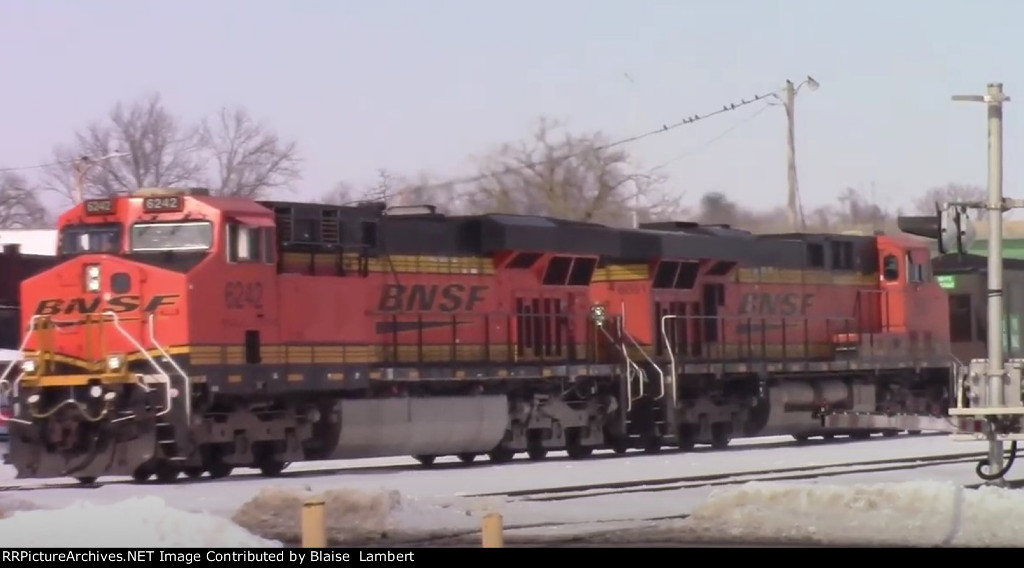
83,164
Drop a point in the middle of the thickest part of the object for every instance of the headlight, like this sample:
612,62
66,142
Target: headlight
92,278
95,391
28,366
114,362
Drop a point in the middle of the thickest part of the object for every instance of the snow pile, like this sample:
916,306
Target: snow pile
352,516
888,514
138,522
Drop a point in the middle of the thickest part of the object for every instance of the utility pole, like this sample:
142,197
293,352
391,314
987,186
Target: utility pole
995,205
632,126
82,165
796,218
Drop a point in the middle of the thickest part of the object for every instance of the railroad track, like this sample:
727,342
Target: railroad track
37,485
566,493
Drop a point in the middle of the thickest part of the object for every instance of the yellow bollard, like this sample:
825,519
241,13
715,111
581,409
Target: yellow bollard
492,531
314,525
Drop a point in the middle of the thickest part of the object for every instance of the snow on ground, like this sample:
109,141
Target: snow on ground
351,516
137,522
391,498
921,513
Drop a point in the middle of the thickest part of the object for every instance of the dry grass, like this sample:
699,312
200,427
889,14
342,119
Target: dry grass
351,516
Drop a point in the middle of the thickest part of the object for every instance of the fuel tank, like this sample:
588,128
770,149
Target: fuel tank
419,426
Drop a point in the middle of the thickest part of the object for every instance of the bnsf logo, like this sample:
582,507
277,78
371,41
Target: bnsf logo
116,304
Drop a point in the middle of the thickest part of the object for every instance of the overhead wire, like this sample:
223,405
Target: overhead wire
711,142
38,166
726,108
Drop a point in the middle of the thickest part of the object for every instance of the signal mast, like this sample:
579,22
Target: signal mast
988,393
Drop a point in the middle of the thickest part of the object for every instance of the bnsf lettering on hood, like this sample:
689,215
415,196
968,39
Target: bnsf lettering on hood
118,304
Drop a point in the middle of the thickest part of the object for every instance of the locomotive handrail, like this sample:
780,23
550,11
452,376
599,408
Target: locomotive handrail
135,342
188,382
620,323
629,368
671,351
649,360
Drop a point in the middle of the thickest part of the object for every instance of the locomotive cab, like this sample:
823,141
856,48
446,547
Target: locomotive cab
106,330
914,311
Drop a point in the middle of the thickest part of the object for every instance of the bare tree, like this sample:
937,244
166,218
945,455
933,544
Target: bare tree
19,204
573,177
855,210
717,209
249,159
925,205
162,152
397,190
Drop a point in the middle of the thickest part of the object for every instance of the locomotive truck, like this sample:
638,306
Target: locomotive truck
182,333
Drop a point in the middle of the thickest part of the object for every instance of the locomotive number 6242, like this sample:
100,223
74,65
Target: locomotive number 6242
162,204
241,295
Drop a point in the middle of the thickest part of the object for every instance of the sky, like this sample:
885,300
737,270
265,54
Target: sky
429,85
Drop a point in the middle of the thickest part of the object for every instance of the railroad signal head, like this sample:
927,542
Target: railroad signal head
951,228
956,230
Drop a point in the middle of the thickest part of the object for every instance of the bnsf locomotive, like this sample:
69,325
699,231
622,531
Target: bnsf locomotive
182,333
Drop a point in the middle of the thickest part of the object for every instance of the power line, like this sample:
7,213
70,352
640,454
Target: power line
664,128
710,142
38,166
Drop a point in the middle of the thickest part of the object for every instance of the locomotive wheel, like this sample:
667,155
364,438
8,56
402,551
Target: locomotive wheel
467,458
687,438
721,435
535,449
426,461
272,467
574,447
167,472
219,469
652,444
501,455
142,473
193,472
578,452
618,445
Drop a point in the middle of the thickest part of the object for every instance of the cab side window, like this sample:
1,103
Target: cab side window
891,268
249,244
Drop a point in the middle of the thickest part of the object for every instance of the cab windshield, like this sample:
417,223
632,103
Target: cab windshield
154,237
90,239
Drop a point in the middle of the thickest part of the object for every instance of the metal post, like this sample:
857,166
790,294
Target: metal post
995,264
314,526
492,531
994,100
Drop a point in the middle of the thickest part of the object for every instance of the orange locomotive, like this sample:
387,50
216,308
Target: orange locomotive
184,333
